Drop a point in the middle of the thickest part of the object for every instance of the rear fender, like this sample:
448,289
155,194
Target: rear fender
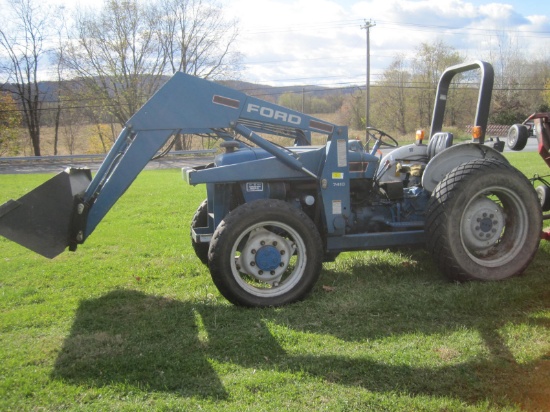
441,164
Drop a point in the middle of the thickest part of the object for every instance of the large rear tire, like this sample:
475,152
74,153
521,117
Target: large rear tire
265,253
483,222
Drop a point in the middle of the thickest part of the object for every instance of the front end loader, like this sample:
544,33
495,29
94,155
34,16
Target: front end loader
274,214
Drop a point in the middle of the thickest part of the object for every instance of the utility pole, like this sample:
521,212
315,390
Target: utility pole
367,26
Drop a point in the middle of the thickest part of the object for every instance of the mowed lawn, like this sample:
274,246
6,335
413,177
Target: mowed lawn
132,321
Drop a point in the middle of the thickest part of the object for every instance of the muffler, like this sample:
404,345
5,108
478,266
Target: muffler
41,219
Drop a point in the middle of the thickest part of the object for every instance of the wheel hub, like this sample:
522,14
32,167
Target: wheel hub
265,256
268,258
483,224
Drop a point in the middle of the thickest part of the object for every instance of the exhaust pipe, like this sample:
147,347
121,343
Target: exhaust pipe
41,220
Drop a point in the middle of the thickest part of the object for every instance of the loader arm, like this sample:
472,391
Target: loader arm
185,104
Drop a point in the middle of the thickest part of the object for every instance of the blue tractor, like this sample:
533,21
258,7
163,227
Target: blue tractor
274,214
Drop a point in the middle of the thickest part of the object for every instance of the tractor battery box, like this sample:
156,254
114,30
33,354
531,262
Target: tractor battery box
393,190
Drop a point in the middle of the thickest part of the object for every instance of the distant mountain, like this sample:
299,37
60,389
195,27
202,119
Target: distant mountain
271,93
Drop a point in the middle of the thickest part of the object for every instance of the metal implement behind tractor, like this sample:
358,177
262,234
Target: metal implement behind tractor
537,125
273,214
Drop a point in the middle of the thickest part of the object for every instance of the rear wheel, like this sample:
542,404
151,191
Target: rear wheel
483,222
265,253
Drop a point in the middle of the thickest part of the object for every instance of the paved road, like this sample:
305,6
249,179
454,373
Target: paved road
531,146
172,162
55,167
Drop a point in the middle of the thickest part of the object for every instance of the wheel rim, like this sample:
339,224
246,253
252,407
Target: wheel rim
269,259
512,137
494,226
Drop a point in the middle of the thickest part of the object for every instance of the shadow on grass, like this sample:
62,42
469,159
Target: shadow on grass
132,338
159,344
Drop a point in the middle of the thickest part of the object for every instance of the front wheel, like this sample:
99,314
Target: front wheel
265,253
483,222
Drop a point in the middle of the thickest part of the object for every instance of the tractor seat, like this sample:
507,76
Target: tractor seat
439,142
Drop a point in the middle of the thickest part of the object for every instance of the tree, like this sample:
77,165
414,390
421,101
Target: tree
352,110
305,102
23,38
10,120
512,68
114,54
121,53
391,97
430,62
196,38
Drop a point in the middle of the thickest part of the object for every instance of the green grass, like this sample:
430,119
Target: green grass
132,321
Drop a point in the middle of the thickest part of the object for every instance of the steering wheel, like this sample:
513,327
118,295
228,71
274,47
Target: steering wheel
378,135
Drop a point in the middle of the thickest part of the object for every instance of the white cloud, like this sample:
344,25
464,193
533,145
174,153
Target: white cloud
308,41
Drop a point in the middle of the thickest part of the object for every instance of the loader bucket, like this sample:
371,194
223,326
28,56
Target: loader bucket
41,219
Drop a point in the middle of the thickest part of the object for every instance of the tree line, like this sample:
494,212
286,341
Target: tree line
119,53
402,99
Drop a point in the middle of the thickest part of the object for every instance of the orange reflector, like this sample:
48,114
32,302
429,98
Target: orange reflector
476,132
419,137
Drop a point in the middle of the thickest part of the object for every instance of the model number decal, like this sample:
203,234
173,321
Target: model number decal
254,187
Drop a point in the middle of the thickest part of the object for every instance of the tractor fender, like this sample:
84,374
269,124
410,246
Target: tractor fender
441,164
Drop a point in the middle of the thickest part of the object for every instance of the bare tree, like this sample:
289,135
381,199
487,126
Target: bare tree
391,96
122,53
197,39
518,78
352,110
115,55
430,62
23,40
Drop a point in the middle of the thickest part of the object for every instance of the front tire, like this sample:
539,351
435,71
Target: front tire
200,219
483,222
265,253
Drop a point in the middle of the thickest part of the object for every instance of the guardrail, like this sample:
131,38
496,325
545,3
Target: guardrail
93,157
